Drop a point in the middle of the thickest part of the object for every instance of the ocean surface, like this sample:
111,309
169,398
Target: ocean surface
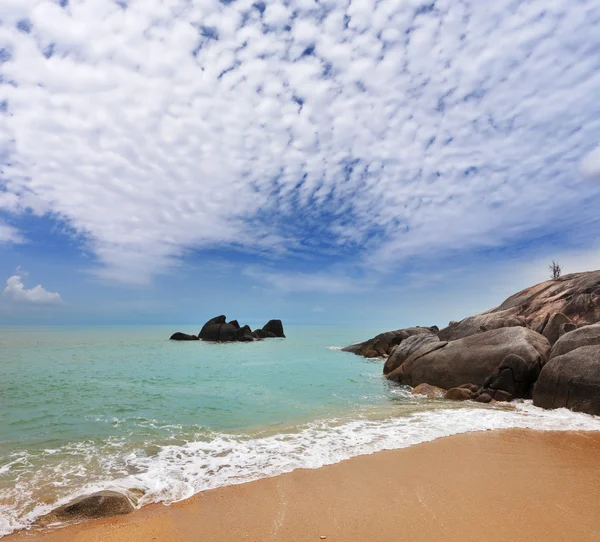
124,408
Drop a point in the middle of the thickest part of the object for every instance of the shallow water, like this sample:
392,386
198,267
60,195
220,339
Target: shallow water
124,408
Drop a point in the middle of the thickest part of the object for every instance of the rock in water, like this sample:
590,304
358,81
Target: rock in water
382,344
432,392
219,330
459,394
183,337
571,380
211,330
475,359
275,327
227,333
102,504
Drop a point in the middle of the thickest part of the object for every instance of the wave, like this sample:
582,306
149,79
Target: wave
178,471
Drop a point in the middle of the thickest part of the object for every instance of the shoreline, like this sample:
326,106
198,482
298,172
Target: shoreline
514,484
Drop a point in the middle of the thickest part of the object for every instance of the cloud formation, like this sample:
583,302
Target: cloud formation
590,166
15,289
388,130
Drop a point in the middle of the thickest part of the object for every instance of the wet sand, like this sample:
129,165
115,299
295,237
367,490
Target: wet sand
492,486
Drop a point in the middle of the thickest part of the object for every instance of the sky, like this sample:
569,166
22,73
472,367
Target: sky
325,162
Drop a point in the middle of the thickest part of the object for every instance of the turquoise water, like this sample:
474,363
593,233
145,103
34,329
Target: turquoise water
127,409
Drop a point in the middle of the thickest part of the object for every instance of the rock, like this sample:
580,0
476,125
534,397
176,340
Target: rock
218,330
503,396
483,398
553,328
271,335
583,336
575,296
571,380
182,337
405,349
473,359
383,343
227,333
471,387
102,504
244,334
458,394
210,330
514,376
432,392
275,327
567,328
480,323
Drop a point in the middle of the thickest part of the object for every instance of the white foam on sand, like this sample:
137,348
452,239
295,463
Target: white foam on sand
177,472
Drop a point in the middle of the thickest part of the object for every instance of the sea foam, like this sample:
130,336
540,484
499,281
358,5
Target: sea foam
176,472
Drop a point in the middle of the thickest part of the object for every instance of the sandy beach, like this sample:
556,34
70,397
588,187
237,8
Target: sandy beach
501,485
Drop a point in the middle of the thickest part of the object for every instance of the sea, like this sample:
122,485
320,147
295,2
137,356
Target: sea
123,408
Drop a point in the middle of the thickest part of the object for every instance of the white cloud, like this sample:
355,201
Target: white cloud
8,234
590,166
16,290
401,130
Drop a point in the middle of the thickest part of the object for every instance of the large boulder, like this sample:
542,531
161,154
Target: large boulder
382,344
480,323
405,349
227,333
576,297
102,504
275,327
583,336
182,337
571,380
478,359
211,330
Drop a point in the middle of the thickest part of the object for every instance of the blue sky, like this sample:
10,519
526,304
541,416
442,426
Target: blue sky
381,162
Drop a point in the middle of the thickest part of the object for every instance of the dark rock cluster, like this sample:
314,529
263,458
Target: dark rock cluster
541,343
219,330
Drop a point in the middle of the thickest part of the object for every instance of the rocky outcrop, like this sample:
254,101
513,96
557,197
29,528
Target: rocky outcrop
571,380
406,348
506,359
584,336
499,354
183,337
217,329
275,327
382,344
102,504
556,305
